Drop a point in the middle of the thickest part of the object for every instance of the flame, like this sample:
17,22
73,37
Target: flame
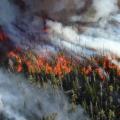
37,63
13,54
107,64
62,65
19,68
48,69
101,73
87,70
118,70
3,36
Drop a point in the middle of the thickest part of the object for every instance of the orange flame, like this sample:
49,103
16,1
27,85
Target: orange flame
48,69
87,70
3,37
19,68
62,66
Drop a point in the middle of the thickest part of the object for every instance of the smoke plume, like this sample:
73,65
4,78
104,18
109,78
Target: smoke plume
100,33
105,7
8,12
21,101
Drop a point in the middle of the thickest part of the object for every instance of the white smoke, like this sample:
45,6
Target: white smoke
21,101
27,30
104,7
99,9
94,38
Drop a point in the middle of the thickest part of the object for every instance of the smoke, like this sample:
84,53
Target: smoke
104,7
94,38
19,100
56,6
97,10
8,12
86,10
26,28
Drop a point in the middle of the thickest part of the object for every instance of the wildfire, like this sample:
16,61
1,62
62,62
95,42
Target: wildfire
3,36
19,68
37,63
107,64
61,66
48,69
87,70
101,74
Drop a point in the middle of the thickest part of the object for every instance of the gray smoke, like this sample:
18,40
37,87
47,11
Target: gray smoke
8,12
76,10
19,100
26,28
101,7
